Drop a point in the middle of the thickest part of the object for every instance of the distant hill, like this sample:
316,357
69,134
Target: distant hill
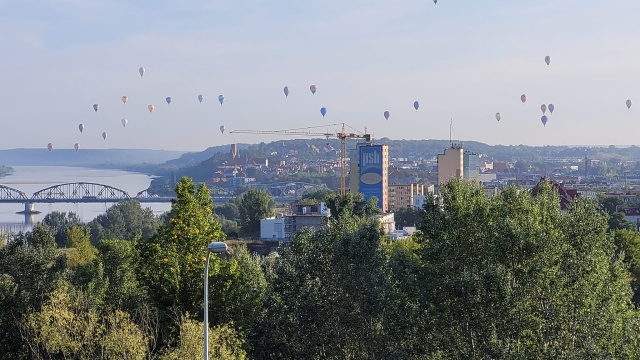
85,157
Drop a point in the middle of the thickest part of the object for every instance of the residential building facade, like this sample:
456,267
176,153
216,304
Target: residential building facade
402,195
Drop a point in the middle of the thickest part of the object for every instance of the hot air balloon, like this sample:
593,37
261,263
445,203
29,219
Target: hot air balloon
629,104
200,98
141,71
168,99
81,128
221,99
498,116
50,146
222,129
286,91
547,59
386,115
544,120
551,108
150,107
323,111
95,107
125,98
416,105
435,1
543,108
523,98
76,146
104,135
313,89
124,122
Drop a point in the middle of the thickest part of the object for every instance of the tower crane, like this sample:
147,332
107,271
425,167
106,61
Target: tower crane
343,135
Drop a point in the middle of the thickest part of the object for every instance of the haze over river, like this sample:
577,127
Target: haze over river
30,179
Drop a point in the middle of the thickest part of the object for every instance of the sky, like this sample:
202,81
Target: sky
463,60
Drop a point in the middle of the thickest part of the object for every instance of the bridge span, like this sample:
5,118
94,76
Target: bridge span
80,192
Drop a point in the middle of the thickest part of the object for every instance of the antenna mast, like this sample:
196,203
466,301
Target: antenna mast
450,131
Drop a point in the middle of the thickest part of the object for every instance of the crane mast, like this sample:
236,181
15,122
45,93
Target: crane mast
343,135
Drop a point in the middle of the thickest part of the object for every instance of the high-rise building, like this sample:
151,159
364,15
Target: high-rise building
450,164
401,195
370,173
470,166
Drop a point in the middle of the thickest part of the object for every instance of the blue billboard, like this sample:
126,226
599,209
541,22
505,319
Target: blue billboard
371,172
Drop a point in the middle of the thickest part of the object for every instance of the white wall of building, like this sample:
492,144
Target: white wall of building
272,229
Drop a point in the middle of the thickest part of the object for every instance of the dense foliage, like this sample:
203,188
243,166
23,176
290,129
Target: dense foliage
512,277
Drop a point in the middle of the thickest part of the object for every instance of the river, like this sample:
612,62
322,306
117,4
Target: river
30,179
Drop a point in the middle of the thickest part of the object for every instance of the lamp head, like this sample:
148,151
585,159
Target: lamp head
217,247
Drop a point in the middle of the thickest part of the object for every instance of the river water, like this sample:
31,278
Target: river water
30,179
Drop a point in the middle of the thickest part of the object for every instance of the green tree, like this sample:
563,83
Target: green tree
514,277
59,222
628,242
326,296
352,203
119,258
27,274
171,262
125,220
254,205
407,216
224,343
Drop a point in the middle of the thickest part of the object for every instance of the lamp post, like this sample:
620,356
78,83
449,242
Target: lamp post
216,247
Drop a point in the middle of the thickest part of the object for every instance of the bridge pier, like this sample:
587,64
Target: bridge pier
29,209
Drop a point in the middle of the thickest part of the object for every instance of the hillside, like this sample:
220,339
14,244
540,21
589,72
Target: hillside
85,157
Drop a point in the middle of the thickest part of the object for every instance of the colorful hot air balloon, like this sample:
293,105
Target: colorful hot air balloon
81,128
104,135
547,59
50,146
544,120
313,89
76,146
416,105
551,108
543,108
141,71
200,98
286,91
629,104
221,99
95,107
124,122
168,99
498,116
222,129
523,98
323,111
150,107
386,115
125,98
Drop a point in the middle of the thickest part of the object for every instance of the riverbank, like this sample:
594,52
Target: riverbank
6,170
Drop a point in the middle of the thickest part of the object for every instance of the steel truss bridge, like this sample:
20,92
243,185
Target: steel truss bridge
83,192
80,192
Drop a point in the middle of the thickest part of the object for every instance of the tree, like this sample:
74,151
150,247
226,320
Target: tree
171,262
119,258
326,296
352,203
407,216
514,277
628,242
125,220
254,205
27,274
59,222
224,343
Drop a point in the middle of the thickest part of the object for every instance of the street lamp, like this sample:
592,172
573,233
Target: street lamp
216,247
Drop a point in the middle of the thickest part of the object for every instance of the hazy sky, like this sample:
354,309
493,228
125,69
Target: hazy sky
462,59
